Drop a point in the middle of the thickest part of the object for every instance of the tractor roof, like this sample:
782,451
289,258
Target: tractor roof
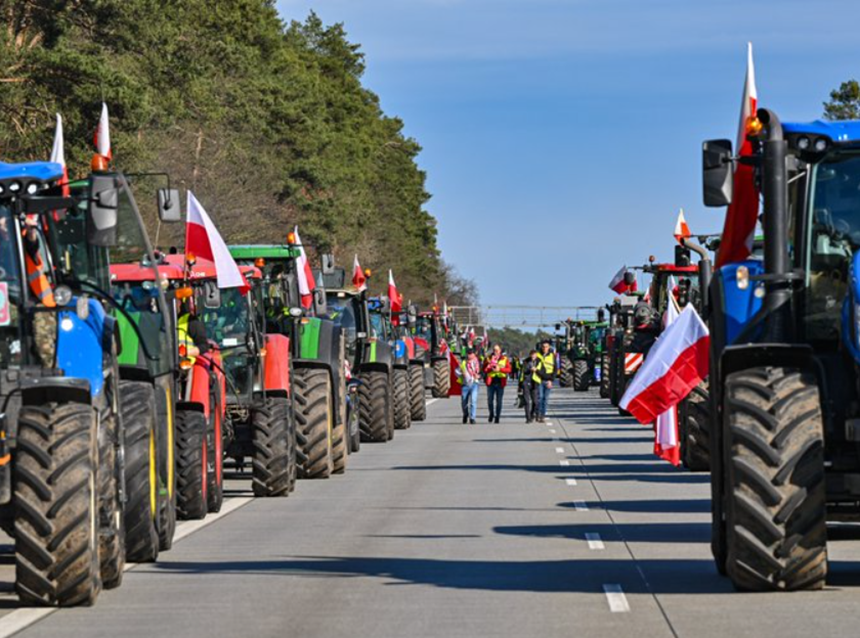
203,268
265,251
27,172
845,131
672,268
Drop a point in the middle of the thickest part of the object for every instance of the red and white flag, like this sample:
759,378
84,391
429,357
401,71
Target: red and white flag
682,231
102,136
58,154
676,364
305,274
741,217
359,280
393,295
203,240
666,437
619,285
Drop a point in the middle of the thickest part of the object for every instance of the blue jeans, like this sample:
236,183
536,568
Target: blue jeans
543,398
469,400
495,392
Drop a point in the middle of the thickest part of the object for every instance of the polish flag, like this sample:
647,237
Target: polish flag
742,214
617,284
393,295
305,274
58,154
682,231
102,136
358,278
203,240
666,437
676,364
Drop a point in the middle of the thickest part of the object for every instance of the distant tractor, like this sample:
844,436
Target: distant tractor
433,329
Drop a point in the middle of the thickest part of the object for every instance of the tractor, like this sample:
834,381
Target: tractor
580,352
416,356
785,351
623,360
370,358
318,348
432,328
381,326
63,433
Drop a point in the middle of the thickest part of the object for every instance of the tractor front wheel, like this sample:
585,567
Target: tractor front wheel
695,421
418,408
581,376
604,376
315,419
271,431
374,406
441,378
565,373
191,465
775,499
402,403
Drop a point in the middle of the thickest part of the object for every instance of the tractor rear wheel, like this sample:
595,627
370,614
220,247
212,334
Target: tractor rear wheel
374,406
112,548
604,376
418,409
441,378
695,417
565,373
270,439
138,418
402,402
56,505
581,375
215,450
775,500
353,418
340,438
191,465
315,419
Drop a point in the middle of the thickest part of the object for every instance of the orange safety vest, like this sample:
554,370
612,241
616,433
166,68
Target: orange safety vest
38,280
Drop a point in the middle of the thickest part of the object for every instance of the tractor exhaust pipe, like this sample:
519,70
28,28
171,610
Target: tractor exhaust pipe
705,273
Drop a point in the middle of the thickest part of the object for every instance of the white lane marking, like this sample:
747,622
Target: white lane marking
549,422
564,463
571,482
580,506
20,619
559,450
432,401
617,600
552,431
594,542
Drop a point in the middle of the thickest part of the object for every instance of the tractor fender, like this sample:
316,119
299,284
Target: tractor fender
277,370
38,391
374,367
197,388
434,359
417,362
81,345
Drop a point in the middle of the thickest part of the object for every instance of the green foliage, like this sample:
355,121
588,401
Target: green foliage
515,341
267,122
844,102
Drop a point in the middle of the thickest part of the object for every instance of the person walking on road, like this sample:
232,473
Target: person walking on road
544,375
530,386
496,368
469,374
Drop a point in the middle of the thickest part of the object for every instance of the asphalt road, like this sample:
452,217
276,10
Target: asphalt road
570,528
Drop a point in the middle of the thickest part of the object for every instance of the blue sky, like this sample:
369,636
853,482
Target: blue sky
561,136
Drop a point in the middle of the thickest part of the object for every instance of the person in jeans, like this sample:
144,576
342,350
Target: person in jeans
469,374
530,386
497,367
544,375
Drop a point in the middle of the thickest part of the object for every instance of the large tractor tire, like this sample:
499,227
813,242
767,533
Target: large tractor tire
167,484
191,465
605,377
581,376
695,417
112,538
354,421
315,419
565,373
340,439
56,506
775,498
215,451
441,378
272,438
141,510
402,403
375,407
418,407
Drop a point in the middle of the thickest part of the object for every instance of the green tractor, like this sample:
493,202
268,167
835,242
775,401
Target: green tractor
318,347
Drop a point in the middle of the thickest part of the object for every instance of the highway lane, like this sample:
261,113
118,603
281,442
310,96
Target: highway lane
570,527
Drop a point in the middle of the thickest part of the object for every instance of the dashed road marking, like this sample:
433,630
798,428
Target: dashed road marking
580,506
431,401
594,542
564,463
559,450
617,600
552,431
571,482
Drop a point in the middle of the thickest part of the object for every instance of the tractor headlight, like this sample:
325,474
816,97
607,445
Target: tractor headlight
743,277
803,143
820,145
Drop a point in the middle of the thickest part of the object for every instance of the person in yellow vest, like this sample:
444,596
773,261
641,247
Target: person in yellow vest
44,323
497,367
544,375
191,332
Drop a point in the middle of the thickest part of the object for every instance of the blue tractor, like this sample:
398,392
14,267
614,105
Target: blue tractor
785,356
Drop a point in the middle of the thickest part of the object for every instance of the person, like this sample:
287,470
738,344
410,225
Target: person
497,367
469,374
192,332
530,386
544,375
44,323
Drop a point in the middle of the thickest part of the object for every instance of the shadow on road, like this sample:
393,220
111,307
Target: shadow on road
663,506
638,532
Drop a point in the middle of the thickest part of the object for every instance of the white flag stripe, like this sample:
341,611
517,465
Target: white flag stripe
228,273
301,262
58,153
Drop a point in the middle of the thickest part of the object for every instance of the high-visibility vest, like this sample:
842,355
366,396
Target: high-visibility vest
547,362
501,363
38,280
182,333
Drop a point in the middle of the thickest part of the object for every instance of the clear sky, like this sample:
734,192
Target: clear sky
561,136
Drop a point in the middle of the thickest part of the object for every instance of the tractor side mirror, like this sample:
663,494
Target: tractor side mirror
629,278
320,306
327,264
169,208
211,295
682,257
103,211
717,173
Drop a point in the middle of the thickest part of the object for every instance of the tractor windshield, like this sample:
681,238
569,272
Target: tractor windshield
377,326
10,291
229,324
833,237
423,329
